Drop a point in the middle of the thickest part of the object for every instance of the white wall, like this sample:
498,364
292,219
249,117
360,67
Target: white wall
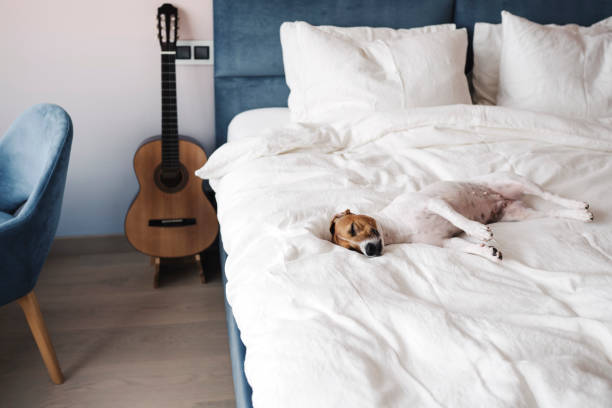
100,61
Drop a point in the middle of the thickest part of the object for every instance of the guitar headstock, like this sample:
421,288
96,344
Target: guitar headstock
167,26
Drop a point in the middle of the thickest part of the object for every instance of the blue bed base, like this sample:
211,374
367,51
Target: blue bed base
249,70
242,389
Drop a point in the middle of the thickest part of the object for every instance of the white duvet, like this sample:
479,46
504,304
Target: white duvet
420,326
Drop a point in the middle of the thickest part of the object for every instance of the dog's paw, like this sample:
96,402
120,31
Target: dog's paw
496,254
480,231
579,205
490,252
581,215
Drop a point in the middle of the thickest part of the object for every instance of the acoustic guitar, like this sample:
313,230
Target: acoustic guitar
170,216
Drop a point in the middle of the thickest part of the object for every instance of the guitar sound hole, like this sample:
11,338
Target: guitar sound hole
171,180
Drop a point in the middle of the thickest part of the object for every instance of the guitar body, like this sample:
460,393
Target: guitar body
173,219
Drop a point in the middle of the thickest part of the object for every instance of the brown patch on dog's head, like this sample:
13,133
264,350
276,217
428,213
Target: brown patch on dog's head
332,226
351,231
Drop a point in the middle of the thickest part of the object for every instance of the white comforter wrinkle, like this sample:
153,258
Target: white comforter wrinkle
420,326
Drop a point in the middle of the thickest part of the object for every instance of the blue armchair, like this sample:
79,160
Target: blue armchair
34,157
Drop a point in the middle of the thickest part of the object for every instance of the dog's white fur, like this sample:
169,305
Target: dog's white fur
439,212
374,240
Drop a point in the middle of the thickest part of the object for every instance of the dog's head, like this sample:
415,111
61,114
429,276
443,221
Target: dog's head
357,232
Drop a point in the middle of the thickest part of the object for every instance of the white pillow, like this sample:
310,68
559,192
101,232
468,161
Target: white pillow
558,70
487,46
334,72
253,122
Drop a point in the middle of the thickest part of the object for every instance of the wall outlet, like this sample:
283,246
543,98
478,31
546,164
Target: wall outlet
195,52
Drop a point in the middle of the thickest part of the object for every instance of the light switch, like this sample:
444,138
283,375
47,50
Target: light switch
201,52
183,52
197,52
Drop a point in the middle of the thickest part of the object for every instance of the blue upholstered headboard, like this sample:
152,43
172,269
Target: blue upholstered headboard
248,60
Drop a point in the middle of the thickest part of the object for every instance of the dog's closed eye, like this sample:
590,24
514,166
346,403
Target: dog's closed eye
352,231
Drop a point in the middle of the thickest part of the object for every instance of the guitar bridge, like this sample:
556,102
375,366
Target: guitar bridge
172,222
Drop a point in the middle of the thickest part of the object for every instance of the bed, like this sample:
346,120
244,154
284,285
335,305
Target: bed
450,296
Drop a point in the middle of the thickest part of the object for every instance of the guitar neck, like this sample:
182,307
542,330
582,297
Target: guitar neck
170,144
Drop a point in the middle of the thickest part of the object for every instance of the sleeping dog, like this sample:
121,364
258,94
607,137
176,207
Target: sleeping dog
439,212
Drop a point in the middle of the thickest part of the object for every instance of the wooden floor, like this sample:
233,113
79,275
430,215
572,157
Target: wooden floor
120,343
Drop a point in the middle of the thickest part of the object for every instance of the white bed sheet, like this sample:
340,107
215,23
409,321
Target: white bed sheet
254,121
421,325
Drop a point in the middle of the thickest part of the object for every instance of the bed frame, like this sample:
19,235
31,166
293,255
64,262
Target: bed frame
249,69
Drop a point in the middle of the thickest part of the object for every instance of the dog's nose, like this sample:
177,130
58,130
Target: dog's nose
372,249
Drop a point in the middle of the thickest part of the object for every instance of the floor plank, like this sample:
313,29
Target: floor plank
120,342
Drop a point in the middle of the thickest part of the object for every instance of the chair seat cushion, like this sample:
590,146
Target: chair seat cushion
4,217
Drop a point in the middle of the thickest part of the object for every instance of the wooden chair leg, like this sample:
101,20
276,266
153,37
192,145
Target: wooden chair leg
31,309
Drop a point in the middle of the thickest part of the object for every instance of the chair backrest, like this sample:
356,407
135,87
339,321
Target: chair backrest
34,154
29,151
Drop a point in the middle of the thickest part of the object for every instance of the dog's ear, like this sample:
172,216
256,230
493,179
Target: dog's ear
332,225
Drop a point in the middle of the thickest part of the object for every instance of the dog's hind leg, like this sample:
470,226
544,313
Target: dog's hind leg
518,211
460,244
446,211
513,186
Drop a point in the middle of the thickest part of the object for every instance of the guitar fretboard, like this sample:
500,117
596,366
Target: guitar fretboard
170,145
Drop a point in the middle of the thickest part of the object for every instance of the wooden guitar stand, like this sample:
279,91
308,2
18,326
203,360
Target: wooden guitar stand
156,262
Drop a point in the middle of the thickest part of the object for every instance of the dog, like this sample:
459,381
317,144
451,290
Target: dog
439,212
